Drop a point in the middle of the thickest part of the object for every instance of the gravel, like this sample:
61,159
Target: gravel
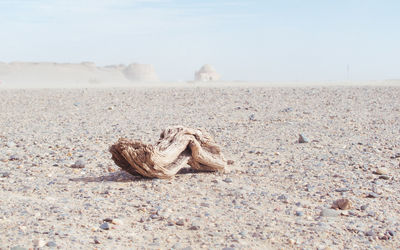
276,197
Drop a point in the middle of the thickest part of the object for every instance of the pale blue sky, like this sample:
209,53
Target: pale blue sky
254,40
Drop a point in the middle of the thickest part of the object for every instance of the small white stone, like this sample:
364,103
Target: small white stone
382,171
38,243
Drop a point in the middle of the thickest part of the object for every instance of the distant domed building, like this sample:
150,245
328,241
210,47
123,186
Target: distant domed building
206,74
140,73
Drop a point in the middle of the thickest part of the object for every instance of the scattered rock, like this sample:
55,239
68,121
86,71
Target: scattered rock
391,233
230,162
342,190
51,244
381,171
14,158
96,241
372,195
154,216
303,139
180,222
195,225
397,155
78,164
105,226
109,220
5,174
384,177
252,117
289,109
283,197
215,181
343,204
370,233
204,204
228,180
299,213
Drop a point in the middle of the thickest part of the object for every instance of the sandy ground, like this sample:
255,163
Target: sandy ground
277,195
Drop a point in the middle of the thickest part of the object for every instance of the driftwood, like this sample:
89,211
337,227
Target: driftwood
177,147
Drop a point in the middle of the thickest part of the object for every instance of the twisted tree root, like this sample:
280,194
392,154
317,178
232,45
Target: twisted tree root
177,147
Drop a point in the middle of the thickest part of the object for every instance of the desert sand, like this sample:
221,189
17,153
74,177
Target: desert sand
72,75
60,188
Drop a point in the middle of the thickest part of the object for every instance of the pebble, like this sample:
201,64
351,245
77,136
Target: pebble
372,195
299,213
5,174
96,241
342,190
303,139
154,216
397,155
381,171
51,244
14,158
228,180
282,197
203,204
330,213
109,220
195,225
78,164
343,204
252,117
105,226
370,233
289,109
180,222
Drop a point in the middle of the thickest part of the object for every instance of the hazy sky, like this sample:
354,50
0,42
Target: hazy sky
255,40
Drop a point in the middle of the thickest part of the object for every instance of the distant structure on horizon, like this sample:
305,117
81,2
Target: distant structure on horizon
207,74
140,72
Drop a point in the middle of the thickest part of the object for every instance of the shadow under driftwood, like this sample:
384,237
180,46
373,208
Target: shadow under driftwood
120,176
123,176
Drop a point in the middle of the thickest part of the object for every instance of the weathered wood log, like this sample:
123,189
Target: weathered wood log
177,148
